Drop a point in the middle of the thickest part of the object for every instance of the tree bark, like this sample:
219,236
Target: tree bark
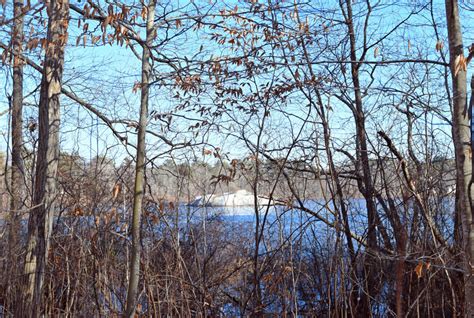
17,184
41,217
461,138
140,165
17,168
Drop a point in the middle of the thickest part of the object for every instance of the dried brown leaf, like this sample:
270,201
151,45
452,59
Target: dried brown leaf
419,270
460,64
116,191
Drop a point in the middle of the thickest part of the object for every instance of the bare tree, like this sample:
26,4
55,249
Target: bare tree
139,188
44,199
17,181
462,145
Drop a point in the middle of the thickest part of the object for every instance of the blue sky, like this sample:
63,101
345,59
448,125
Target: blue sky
105,76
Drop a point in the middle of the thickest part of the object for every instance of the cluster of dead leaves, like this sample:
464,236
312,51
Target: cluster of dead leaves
419,268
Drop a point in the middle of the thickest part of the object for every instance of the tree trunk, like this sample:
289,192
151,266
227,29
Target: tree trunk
41,218
17,184
366,184
461,138
140,165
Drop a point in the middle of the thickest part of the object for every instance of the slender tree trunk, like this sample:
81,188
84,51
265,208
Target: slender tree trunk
17,167
41,218
140,164
400,273
461,137
366,185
